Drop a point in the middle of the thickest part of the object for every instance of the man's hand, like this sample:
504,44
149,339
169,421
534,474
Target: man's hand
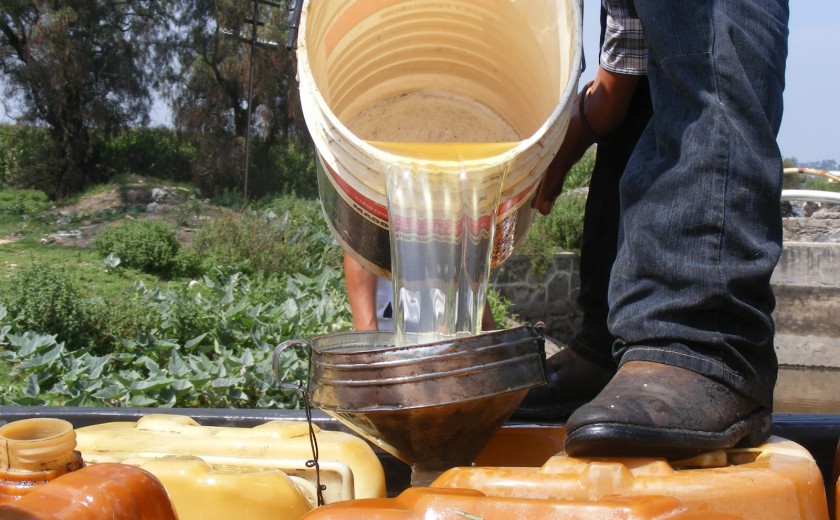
596,115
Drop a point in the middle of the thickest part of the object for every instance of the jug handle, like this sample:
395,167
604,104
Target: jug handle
275,362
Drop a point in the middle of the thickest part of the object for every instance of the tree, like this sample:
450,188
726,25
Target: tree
211,96
80,67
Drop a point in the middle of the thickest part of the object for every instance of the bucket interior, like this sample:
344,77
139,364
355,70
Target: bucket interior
497,66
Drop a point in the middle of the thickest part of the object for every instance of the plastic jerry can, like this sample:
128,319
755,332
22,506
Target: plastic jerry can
523,445
835,477
460,504
200,491
348,466
33,452
778,480
112,491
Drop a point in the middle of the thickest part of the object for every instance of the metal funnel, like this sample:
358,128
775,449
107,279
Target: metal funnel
433,405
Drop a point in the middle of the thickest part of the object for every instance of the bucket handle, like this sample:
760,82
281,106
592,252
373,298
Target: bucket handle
275,362
296,9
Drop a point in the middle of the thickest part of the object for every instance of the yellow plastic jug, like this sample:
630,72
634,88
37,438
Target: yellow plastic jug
348,466
201,491
778,480
461,504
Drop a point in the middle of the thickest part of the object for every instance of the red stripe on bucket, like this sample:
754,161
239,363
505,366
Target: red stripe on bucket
367,204
438,226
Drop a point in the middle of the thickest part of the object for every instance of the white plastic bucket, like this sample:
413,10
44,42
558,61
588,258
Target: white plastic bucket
433,71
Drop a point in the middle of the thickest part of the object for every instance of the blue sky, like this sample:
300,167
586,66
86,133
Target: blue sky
810,123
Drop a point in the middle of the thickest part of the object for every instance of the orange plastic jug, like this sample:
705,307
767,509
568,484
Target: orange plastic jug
835,474
778,480
461,504
112,491
34,452
523,445
348,466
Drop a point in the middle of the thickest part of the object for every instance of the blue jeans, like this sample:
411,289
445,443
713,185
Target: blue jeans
701,230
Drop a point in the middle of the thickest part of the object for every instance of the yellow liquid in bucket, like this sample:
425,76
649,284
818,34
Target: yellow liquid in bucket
442,205
456,152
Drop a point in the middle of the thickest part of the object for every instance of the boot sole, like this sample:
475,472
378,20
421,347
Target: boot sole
628,440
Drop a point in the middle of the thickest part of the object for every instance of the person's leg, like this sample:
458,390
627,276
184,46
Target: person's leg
580,370
599,243
690,295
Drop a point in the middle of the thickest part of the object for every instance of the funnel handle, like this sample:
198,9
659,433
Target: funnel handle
275,360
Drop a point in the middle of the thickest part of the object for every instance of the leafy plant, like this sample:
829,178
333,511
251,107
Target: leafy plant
148,245
208,343
24,156
285,235
22,202
45,298
149,151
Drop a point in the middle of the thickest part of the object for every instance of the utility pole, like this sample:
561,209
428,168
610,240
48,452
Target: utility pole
253,41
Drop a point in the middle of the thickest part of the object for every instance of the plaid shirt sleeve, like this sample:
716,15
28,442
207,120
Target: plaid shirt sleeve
624,50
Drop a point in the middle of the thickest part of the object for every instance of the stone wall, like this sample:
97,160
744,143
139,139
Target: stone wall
806,283
807,287
547,297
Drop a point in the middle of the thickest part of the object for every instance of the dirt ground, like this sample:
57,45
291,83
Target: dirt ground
178,206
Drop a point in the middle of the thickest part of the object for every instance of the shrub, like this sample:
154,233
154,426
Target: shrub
187,263
27,159
287,167
22,202
286,235
580,174
44,298
123,315
155,152
148,245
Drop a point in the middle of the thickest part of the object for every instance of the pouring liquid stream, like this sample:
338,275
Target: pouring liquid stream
443,200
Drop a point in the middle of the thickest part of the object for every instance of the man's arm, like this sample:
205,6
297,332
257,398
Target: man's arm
603,106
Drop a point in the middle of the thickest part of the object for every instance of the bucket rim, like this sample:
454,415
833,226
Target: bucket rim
385,340
305,77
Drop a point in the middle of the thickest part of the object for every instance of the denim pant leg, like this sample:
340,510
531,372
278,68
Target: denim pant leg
701,224
600,230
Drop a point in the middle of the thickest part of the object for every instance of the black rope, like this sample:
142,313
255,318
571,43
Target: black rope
313,440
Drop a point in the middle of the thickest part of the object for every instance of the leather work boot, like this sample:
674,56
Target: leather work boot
656,410
572,381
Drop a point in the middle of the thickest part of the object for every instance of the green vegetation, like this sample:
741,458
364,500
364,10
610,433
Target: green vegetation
148,245
137,317
285,235
79,328
16,203
562,229
41,297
